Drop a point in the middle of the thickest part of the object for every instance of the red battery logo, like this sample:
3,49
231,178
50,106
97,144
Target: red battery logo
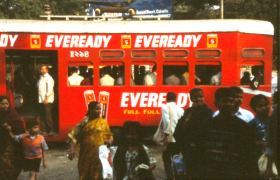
212,40
126,41
35,41
104,101
89,96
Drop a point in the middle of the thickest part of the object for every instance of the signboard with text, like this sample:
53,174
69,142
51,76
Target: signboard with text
141,7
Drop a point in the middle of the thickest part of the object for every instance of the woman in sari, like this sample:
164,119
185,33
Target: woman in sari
10,151
89,134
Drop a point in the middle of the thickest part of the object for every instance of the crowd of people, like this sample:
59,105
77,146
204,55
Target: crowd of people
225,144
143,75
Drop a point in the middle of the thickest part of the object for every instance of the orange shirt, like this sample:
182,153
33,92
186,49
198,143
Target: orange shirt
33,146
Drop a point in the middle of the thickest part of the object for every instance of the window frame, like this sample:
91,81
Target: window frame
174,63
209,63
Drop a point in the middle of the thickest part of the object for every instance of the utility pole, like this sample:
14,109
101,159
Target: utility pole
222,8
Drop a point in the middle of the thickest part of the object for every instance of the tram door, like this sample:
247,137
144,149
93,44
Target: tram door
22,75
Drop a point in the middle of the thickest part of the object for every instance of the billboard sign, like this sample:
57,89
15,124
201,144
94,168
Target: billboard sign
141,7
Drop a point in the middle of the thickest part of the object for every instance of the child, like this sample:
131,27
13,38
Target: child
34,146
132,160
105,156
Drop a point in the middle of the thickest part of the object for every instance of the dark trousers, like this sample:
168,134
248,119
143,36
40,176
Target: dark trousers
193,158
46,116
171,149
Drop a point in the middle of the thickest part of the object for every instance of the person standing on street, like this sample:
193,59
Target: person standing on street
240,112
228,143
133,160
189,130
10,152
170,114
46,98
92,132
272,149
34,147
260,104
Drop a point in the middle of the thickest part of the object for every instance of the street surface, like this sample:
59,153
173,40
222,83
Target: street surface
61,168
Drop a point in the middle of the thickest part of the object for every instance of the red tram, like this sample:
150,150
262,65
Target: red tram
194,50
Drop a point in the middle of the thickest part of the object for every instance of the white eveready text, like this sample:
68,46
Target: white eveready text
151,99
171,41
8,40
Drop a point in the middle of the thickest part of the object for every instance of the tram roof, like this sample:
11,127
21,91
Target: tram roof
128,26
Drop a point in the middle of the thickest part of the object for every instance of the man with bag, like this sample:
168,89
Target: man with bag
189,131
170,113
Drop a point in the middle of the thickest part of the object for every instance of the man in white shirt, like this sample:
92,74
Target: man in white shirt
240,112
46,98
75,79
170,114
106,79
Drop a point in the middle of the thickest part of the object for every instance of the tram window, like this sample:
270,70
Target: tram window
111,75
143,74
175,75
208,75
251,73
80,75
111,54
143,53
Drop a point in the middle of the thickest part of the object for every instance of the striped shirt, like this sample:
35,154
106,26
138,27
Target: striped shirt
33,146
229,149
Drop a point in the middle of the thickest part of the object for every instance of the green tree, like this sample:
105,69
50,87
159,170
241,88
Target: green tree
233,9
68,7
32,9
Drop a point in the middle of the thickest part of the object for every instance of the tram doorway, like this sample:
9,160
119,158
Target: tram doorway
22,76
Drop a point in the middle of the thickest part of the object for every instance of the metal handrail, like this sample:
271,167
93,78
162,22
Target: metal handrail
103,17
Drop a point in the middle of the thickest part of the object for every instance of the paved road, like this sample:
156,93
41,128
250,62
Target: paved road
60,168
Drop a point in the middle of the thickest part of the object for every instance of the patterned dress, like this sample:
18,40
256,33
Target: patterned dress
10,151
90,134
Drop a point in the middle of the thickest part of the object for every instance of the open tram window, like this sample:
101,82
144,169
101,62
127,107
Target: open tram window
111,75
252,75
175,74
208,74
143,74
80,75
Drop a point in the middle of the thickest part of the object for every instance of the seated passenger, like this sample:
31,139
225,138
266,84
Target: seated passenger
258,74
120,76
88,78
139,73
172,80
186,76
245,80
216,79
151,77
106,78
74,79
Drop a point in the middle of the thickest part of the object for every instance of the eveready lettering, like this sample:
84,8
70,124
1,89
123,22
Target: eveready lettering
150,99
171,41
8,40
77,41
